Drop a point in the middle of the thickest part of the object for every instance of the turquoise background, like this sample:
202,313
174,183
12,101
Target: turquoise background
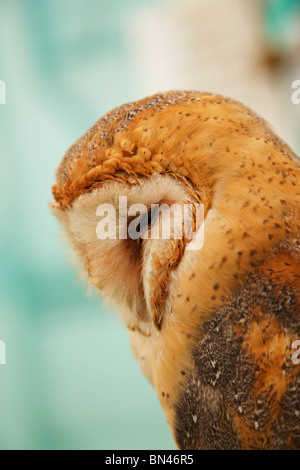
70,381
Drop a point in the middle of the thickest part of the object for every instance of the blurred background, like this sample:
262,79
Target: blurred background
70,380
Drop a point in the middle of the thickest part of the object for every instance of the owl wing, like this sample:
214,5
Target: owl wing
244,390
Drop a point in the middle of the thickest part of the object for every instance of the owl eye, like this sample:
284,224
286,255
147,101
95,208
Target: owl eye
145,220
139,226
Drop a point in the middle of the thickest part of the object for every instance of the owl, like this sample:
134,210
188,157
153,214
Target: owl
213,328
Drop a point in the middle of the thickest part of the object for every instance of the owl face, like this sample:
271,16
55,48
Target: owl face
133,268
177,148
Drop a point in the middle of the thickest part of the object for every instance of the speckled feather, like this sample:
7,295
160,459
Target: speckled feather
244,387
212,329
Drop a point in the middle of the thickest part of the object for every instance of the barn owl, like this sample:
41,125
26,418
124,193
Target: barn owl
214,329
